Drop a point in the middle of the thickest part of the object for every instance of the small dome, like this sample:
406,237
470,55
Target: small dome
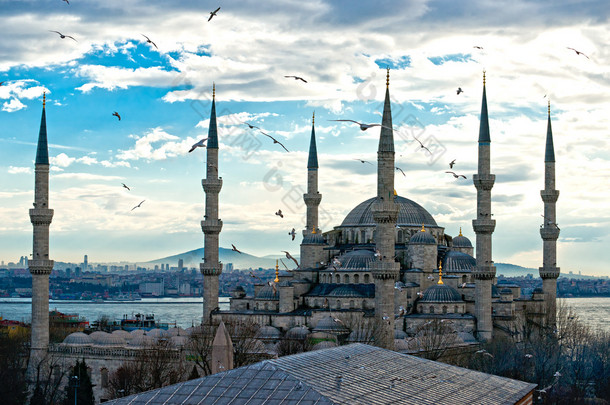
137,332
422,237
325,344
178,341
313,239
110,340
401,344
157,333
78,339
356,259
361,336
268,332
122,333
284,283
461,241
141,341
98,335
298,332
328,324
399,334
239,288
345,291
458,262
267,293
176,332
441,293
506,291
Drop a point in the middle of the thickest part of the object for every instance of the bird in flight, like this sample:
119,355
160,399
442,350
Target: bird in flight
199,144
138,206
336,263
451,164
578,52
213,13
292,233
279,214
478,47
116,114
125,186
421,145
233,248
364,161
363,127
251,126
400,170
287,269
62,36
289,256
275,141
298,78
148,41
255,276
459,90
67,1
456,175
1,83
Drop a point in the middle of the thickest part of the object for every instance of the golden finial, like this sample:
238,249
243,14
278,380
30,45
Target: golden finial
387,78
549,107
460,232
313,119
44,98
314,230
395,193
423,229
213,91
440,273
277,271
483,77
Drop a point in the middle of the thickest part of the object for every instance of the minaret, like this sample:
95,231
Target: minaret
385,212
483,227
549,231
40,265
313,243
211,225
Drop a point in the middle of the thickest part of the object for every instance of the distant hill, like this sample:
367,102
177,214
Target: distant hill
512,270
240,260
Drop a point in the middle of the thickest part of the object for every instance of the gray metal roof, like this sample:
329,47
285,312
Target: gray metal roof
422,238
42,150
355,374
441,293
549,152
410,214
458,262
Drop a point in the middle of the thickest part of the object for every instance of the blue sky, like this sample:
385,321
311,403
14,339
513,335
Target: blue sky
341,49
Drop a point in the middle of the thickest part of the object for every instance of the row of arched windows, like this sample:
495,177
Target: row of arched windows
328,278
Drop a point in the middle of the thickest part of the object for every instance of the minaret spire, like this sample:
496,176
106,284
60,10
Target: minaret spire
549,272
40,265
211,224
484,226
385,213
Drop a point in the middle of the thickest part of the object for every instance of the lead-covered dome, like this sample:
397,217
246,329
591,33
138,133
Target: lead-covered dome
461,241
422,238
458,262
441,293
78,339
267,293
357,259
410,214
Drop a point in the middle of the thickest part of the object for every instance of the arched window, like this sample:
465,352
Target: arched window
338,278
363,236
352,304
431,309
401,236
456,309
346,279
444,309
338,304
366,279
247,305
315,303
363,304
256,306
420,309
356,278
266,307
104,374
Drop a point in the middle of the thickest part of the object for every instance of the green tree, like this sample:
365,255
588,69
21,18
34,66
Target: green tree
79,383
13,363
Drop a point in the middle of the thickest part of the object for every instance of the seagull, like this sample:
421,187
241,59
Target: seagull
279,214
289,256
275,141
298,78
336,263
400,170
116,114
363,127
251,126
421,145
478,47
378,254
456,175
124,185
528,356
1,83
199,144
138,206
463,285
62,36
285,265
578,52
234,249
292,233
255,276
67,1
148,41
364,161
557,374
213,13
451,164
459,90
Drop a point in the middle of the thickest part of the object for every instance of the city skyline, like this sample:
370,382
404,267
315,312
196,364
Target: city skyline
163,96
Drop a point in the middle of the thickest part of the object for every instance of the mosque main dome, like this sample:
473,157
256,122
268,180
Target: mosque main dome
410,214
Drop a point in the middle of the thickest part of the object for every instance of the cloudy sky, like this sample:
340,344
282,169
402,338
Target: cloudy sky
341,48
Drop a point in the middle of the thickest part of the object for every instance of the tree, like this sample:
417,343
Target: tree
46,372
246,348
14,356
433,338
200,347
79,386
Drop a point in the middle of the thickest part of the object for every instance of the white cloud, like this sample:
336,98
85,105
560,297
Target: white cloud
156,145
13,105
19,170
61,160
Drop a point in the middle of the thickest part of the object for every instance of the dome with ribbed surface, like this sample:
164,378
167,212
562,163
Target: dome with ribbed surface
345,291
326,344
410,214
267,293
122,333
422,238
356,259
313,239
157,333
458,262
298,332
137,332
328,324
98,335
110,340
268,332
441,293
461,241
78,339
141,341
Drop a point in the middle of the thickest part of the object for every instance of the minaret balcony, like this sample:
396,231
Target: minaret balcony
385,270
40,267
210,269
550,232
213,226
385,212
211,185
484,225
41,216
484,181
312,198
484,272
549,272
549,196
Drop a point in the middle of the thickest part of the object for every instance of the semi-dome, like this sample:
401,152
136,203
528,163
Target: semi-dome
358,259
461,241
422,238
268,332
458,262
441,293
410,214
361,335
267,293
78,339
345,291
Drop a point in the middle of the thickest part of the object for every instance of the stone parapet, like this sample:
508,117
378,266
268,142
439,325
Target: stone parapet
41,216
312,198
484,225
549,272
550,232
211,226
210,269
484,181
40,267
484,272
384,270
549,196
211,185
